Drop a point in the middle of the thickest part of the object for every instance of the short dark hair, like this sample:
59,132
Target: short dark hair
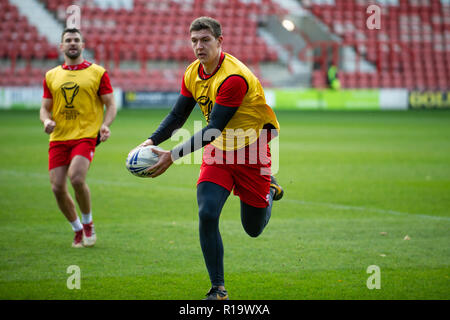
71,30
207,23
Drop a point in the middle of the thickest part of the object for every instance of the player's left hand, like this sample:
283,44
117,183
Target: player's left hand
104,133
165,161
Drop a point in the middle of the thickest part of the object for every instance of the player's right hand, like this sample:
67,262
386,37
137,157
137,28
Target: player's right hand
49,126
148,142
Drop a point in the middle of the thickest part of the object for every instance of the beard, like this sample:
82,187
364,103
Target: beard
73,55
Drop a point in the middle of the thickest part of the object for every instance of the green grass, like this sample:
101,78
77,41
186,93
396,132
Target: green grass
348,177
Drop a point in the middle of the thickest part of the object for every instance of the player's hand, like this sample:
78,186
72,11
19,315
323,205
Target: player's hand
148,142
49,126
104,133
165,161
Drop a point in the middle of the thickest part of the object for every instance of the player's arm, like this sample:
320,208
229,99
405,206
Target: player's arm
110,114
229,98
45,113
219,118
173,121
105,92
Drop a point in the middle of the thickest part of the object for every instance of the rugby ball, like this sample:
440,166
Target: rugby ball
140,159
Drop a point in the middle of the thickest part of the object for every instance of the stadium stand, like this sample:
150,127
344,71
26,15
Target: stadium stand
144,45
21,41
410,50
145,33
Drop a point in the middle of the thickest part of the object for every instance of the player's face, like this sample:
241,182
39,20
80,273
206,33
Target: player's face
72,45
206,47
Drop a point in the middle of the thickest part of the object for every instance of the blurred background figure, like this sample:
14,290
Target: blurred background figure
332,78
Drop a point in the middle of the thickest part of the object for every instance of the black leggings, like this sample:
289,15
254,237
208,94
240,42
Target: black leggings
211,198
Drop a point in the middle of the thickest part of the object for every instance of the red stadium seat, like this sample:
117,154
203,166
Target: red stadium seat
157,31
417,29
318,79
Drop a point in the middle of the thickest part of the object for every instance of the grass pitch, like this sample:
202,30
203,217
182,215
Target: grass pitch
356,184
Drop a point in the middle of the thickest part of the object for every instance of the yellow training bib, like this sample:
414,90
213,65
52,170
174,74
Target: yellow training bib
244,127
77,108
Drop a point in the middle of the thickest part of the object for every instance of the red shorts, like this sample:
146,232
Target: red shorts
250,181
61,153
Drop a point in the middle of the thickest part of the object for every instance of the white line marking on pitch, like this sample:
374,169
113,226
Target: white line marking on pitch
367,209
323,204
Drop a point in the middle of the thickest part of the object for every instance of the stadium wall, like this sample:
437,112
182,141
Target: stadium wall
363,99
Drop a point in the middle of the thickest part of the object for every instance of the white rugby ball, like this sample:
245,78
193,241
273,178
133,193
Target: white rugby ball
140,159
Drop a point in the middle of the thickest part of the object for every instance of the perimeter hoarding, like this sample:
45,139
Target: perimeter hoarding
429,100
315,99
155,99
288,99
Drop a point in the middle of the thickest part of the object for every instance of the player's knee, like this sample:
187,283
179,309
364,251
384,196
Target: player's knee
206,216
207,212
253,232
58,188
77,181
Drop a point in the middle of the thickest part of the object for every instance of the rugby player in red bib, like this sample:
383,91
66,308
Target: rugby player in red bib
72,113
236,154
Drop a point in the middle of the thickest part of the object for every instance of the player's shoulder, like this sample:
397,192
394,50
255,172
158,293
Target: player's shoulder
53,70
231,62
193,67
191,73
97,68
230,59
234,66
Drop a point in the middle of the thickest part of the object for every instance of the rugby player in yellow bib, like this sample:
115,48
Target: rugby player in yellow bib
239,123
72,114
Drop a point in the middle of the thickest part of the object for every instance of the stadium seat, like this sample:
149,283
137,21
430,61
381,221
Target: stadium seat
412,38
149,30
415,33
20,40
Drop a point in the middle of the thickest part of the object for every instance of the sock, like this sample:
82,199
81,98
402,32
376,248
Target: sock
86,217
76,225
